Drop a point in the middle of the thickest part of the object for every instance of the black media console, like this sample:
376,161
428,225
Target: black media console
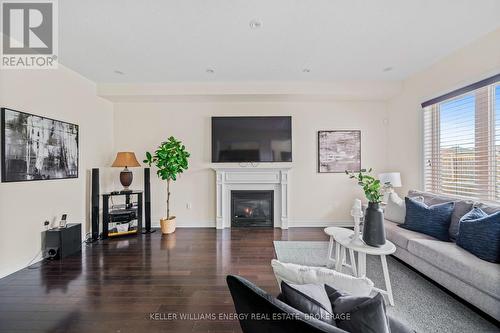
120,220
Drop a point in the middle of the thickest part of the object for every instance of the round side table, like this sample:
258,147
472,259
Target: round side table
335,232
344,242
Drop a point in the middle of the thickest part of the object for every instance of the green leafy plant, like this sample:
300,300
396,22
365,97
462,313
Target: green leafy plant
371,186
171,159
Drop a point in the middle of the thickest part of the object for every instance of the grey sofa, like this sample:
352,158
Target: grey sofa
473,279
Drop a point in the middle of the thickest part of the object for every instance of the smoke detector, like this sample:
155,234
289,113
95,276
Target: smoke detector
255,24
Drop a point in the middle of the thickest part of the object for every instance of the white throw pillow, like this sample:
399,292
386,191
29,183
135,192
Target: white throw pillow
297,274
395,210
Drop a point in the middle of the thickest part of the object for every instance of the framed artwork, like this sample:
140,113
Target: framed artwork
339,151
37,148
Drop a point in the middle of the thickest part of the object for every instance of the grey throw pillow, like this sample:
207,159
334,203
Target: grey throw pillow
310,299
361,314
462,207
316,292
346,302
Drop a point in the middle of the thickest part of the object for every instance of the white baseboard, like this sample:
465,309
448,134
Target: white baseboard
315,223
292,223
180,223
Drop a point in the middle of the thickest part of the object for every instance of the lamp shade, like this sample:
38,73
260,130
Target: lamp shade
125,159
394,178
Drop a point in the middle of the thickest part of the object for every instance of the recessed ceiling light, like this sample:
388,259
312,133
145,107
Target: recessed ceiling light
255,24
306,70
119,72
210,71
387,69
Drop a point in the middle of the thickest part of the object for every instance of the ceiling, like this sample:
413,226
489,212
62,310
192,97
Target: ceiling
300,40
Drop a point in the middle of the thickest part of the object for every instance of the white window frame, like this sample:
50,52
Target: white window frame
491,133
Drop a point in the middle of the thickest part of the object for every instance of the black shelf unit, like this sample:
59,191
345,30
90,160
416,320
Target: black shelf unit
131,207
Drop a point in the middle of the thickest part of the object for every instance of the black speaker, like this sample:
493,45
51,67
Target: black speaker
147,201
95,204
62,242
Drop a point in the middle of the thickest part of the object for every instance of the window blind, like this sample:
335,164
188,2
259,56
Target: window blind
462,143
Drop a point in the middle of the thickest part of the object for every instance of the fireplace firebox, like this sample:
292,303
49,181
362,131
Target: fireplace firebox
252,208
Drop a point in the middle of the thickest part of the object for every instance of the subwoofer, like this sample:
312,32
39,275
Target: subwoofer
52,253
95,204
62,242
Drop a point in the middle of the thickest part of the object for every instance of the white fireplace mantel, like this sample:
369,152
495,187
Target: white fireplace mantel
252,178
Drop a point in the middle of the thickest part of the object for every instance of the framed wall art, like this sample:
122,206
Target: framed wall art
37,148
339,151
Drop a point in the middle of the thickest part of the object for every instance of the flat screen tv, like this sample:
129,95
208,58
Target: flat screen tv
251,139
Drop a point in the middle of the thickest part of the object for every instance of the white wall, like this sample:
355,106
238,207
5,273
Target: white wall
470,64
64,95
316,199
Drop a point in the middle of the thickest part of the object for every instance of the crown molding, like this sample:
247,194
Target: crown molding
250,91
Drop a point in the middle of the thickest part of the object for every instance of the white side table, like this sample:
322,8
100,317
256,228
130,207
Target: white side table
335,232
344,242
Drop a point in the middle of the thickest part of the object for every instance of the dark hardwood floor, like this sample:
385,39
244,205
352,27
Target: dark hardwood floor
115,285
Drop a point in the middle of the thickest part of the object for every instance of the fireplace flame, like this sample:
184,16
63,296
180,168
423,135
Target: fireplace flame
248,211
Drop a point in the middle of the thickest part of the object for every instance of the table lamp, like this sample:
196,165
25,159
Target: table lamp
126,159
390,180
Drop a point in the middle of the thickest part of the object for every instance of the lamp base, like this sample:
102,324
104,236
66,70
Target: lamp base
126,178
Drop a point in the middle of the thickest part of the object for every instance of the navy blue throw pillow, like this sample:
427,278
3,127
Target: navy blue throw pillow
433,221
479,233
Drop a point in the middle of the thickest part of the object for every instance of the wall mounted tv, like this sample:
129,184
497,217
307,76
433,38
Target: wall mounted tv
251,139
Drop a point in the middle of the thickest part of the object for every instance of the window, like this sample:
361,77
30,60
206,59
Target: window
496,104
462,142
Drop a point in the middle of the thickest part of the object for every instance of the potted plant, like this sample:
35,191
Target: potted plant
171,159
373,230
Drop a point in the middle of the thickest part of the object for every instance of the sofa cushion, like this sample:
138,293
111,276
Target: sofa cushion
487,208
458,262
461,208
433,221
479,233
430,198
400,236
395,210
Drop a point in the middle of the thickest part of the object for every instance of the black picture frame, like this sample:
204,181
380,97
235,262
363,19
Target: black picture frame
320,167
3,146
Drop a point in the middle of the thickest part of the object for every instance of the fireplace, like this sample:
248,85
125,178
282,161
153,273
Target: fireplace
228,179
252,208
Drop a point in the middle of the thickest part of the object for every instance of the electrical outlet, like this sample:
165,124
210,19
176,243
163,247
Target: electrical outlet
188,205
